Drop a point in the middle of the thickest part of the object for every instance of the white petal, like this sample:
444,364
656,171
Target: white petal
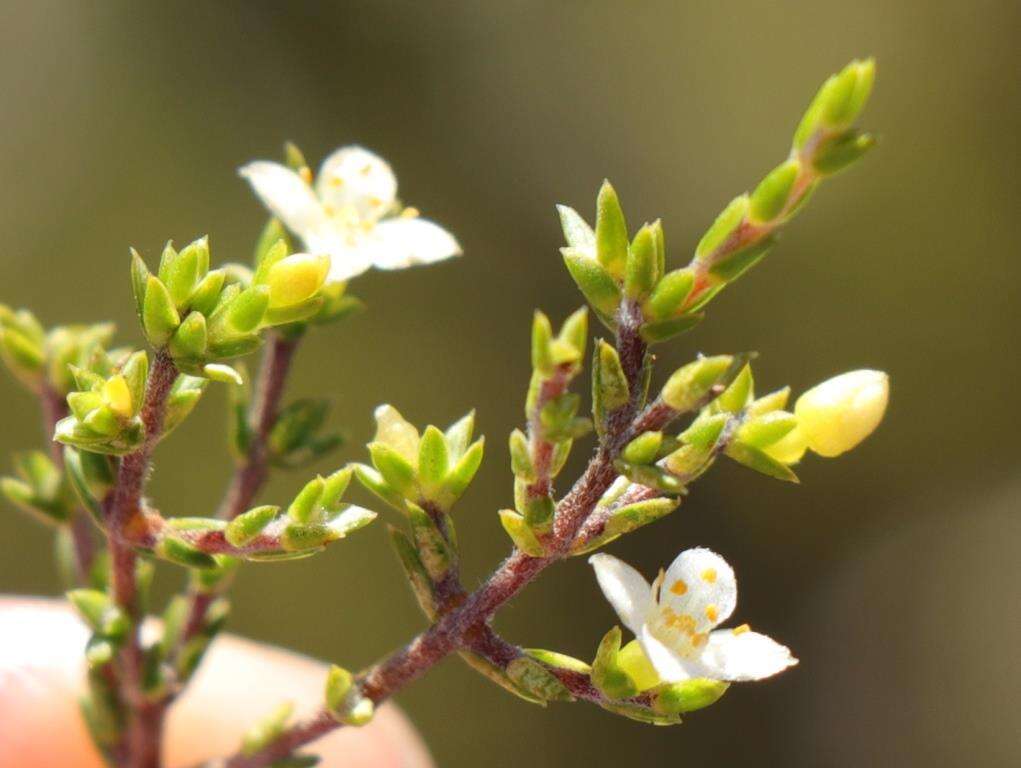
350,254
287,196
401,242
353,176
669,665
626,590
744,656
701,584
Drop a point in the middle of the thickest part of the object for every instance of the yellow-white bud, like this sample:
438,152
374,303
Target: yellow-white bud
841,412
398,433
117,396
296,278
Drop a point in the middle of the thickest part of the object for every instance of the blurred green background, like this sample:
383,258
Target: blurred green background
893,573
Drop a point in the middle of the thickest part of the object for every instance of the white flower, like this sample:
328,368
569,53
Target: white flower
673,619
352,214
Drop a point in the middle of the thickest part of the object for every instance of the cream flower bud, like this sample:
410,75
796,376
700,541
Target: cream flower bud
841,412
117,396
296,278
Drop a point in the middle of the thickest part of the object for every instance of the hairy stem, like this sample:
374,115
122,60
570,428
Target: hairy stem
144,733
253,469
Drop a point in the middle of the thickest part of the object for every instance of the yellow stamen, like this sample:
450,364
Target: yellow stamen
711,613
740,630
679,587
709,575
409,213
306,174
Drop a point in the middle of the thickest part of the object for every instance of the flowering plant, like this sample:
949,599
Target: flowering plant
109,407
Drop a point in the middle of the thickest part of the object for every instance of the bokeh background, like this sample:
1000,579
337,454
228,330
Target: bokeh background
893,572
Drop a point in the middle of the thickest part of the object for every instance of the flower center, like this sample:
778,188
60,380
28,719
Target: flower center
682,632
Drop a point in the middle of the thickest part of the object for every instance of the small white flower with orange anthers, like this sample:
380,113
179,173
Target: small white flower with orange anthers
350,213
674,618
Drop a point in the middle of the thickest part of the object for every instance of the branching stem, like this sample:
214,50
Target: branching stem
466,626
144,734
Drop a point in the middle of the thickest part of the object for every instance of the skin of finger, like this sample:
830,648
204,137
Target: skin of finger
41,671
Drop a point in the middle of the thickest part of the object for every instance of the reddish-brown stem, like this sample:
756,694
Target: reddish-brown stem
144,732
467,624
254,467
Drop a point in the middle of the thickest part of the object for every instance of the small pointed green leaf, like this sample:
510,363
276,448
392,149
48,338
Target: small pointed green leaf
159,316
611,231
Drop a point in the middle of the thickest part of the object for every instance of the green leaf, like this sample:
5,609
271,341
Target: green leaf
753,458
627,519
739,262
267,730
395,469
607,674
418,578
559,660
538,681
463,473
520,533
690,385
207,292
139,281
643,449
739,393
688,696
99,612
459,435
577,232
765,430
493,673
159,316
643,268
773,193
433,459
669,294
247,309
842,152
181,274
542,337
521,457
344,700
596,284
373,481
611,231
706,429
660,331
190,339
722,228
305,506
435,552
181,552
609,382
574,331
246,526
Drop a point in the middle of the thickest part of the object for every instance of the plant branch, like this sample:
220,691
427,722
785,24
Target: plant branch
142,747
464,625
252,471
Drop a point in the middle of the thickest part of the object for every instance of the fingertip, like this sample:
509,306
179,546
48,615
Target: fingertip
42,669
